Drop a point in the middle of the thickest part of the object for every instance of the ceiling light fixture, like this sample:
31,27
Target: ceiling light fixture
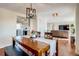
30,12
55,14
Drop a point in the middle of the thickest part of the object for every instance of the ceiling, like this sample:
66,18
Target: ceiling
41,7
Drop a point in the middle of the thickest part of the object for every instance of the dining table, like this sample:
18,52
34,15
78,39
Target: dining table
35,47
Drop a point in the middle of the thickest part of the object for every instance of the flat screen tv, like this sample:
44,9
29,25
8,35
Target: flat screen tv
63,27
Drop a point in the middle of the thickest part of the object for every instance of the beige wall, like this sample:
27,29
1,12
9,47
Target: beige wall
7,26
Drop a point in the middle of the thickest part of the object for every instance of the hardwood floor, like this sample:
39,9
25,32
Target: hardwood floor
10,51
15,51
72,51
2,52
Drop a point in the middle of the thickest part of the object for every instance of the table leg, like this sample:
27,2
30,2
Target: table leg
38,54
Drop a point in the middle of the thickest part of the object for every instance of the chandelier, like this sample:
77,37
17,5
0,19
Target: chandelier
30,12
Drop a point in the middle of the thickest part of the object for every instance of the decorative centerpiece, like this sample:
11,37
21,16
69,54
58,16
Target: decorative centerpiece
33,34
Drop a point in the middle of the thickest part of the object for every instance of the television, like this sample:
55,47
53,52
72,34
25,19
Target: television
63,27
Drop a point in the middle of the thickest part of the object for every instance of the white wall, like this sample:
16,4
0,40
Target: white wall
7,26
42,24
8,21
46,17
77,29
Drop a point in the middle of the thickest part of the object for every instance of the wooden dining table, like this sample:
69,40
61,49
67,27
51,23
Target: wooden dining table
36,47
